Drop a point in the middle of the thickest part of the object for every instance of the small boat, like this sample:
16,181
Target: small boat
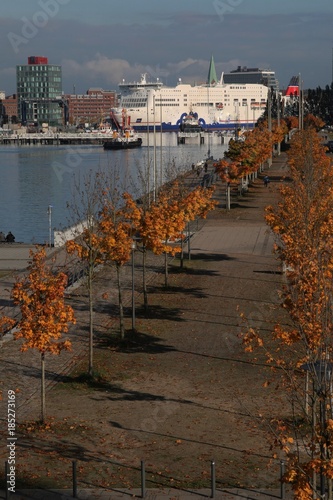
103,128
190,123
126,139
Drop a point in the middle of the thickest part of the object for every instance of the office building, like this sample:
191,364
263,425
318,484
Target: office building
39,93
243,74
90,108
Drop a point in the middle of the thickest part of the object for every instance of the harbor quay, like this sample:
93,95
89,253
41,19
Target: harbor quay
231,264
98,138
55,139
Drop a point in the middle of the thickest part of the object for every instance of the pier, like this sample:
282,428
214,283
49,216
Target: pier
50,139
204,137
68,138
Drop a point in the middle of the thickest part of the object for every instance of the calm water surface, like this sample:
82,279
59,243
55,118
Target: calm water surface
34,177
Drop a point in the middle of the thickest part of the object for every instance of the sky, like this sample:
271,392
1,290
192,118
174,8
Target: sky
99,43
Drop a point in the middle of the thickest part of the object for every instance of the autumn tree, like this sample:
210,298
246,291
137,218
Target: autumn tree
161,225
157,226
234,150
115,244
311,121
197,203
84,208
166,224
6,324
44,314
303,225
245,158
279,131
292,122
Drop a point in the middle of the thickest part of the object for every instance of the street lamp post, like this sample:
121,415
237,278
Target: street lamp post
269,105
133,247
49,211
278,120
154,157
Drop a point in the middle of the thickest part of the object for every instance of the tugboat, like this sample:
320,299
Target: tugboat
190,123
126,139
124,136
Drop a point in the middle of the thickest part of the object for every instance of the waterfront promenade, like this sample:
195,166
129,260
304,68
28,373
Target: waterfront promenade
232,256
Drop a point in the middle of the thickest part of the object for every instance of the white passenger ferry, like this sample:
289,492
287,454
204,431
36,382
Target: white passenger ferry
151,105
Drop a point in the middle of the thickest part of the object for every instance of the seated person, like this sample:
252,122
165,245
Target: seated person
10,238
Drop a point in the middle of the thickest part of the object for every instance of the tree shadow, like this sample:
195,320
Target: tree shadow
269,272
161,313
171,290
243,206
114,391
6,303
210,256
69,450
191,271
133,343
185,439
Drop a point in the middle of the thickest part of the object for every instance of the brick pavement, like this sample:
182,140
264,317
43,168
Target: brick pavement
241,232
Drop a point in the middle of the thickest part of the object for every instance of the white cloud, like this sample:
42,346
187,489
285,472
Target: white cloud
111,71
100,68
107,72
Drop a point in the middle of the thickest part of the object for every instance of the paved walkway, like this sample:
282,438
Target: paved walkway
240,233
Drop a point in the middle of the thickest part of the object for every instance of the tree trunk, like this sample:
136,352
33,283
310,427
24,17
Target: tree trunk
181,261
188,241
144,280
166,269
228,196
91,319
121,307
133,291
43,387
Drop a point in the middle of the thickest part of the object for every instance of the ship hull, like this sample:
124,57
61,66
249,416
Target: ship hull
122,144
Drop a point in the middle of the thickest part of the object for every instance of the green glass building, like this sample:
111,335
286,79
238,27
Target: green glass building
39,93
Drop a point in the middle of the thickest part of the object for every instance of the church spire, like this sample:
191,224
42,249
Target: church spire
212,78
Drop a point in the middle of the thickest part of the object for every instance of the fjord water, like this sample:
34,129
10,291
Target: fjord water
35,177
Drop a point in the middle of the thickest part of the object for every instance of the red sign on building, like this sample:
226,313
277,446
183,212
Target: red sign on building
37,60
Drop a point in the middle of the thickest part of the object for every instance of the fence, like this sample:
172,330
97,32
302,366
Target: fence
212,487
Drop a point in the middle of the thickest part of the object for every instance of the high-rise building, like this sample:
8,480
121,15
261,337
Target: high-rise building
39,92
243,74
